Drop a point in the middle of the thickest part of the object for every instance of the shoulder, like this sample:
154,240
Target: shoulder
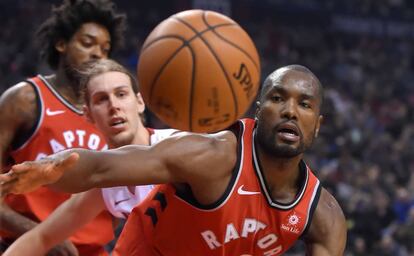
22,91
19,103
328,227
328,212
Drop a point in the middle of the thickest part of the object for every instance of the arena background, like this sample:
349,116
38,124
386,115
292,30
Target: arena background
362,51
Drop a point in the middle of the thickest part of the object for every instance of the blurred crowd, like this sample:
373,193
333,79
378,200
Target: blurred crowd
365,152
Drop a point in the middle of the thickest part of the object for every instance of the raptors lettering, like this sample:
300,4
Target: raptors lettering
250,226
73,139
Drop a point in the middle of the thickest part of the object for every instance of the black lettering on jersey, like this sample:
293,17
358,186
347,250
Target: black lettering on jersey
152,212
153,215
160,197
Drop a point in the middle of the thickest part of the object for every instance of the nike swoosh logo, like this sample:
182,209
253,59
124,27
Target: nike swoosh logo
121,201
54,113
241,191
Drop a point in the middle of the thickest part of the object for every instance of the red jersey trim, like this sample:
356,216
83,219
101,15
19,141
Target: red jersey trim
59,97
264,187
312,207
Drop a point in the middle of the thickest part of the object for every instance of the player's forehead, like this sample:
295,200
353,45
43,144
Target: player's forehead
286,80
94,31
109,82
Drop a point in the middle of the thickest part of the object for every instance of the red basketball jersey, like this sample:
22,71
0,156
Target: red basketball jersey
244,221
60,126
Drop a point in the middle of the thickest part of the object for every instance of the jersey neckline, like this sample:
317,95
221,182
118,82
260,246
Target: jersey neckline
265,188
59,96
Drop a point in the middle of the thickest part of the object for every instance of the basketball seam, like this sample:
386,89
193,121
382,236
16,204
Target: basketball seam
231,43
190,110
217,59
162,69
146,45
159,38
185,43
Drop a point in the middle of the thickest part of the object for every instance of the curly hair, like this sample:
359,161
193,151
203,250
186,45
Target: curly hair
67,18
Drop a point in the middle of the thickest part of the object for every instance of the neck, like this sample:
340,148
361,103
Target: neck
281,174
68,88
142,136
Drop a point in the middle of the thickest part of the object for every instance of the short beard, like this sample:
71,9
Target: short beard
71,73
270,147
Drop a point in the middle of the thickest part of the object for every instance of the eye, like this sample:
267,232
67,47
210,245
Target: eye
121,94
276,98
87,43
99,98
106,50
305,104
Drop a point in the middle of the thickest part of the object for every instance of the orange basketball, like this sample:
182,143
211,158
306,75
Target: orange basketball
199,71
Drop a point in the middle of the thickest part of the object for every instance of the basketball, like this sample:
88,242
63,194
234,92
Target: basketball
198,71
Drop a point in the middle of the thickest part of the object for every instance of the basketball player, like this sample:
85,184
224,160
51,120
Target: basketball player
114,105
41,116
244,191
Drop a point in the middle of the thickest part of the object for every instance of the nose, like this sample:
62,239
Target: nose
113,104
97,52
289,110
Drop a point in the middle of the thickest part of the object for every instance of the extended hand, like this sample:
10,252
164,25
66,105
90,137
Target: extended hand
29,176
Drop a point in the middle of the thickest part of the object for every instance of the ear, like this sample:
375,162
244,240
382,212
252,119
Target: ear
318,125
60,46
257,109
141,104
87,114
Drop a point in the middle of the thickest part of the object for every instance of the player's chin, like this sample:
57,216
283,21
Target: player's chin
122,138
288,150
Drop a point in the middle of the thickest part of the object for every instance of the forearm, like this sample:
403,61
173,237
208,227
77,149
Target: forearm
60,225
28,244
129,165
13,222
82,175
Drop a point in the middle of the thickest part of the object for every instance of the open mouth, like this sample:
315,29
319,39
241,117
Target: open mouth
288,132
117,122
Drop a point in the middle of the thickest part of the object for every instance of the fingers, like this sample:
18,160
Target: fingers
6,177
35,165
21,168
7,187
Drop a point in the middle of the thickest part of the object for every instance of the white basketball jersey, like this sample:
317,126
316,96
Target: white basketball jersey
121,200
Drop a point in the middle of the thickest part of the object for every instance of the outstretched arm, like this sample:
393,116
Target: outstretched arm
327,233
61,224
185,157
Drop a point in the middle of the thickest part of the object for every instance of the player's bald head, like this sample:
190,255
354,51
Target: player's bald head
277,76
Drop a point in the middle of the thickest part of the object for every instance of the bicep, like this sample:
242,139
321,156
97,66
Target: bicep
327,234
